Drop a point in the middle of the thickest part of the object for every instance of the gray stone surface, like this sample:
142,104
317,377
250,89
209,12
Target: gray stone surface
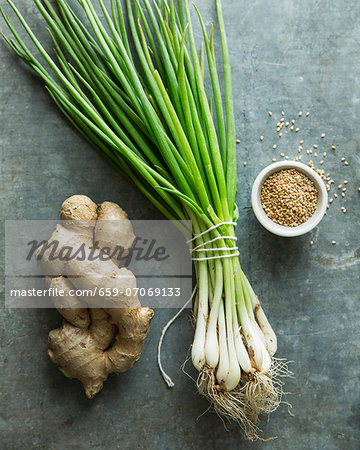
289,56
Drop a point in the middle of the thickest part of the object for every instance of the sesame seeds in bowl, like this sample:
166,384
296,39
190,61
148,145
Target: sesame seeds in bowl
289,198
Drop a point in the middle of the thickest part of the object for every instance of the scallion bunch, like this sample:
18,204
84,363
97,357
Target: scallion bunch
152,118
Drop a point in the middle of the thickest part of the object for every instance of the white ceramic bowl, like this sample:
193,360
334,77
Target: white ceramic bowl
281,230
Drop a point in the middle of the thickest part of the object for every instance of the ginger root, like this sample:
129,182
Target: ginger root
94,342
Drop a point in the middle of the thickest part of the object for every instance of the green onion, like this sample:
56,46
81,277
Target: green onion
157,125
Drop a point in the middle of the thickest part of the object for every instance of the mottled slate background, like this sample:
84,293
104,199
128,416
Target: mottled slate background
288,55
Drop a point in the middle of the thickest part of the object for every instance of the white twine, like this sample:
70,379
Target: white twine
166,377
198,248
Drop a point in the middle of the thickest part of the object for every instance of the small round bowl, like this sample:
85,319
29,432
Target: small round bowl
265,220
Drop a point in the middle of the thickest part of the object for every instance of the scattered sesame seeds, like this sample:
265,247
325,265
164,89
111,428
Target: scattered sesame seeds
322,136
289,197
270,113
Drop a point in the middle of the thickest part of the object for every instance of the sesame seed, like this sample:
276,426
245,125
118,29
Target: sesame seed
274,146
321,162
330,200
244,163
333,147
270,113
261,138
301,142
311,243
344,189
315,154
297,130
274,159
293,121
291,128
345,181
280,134
335,195
340,186
286,157
289,197
300,157
300,113
315,146
333,242
238,141
323,135
324,154
327,206
282,113
346,163
278,129
282,120
344,211
282,154
342,194
307,114
287,124
343,159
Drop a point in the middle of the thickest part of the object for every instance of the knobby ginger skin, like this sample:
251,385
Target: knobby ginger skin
94,342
